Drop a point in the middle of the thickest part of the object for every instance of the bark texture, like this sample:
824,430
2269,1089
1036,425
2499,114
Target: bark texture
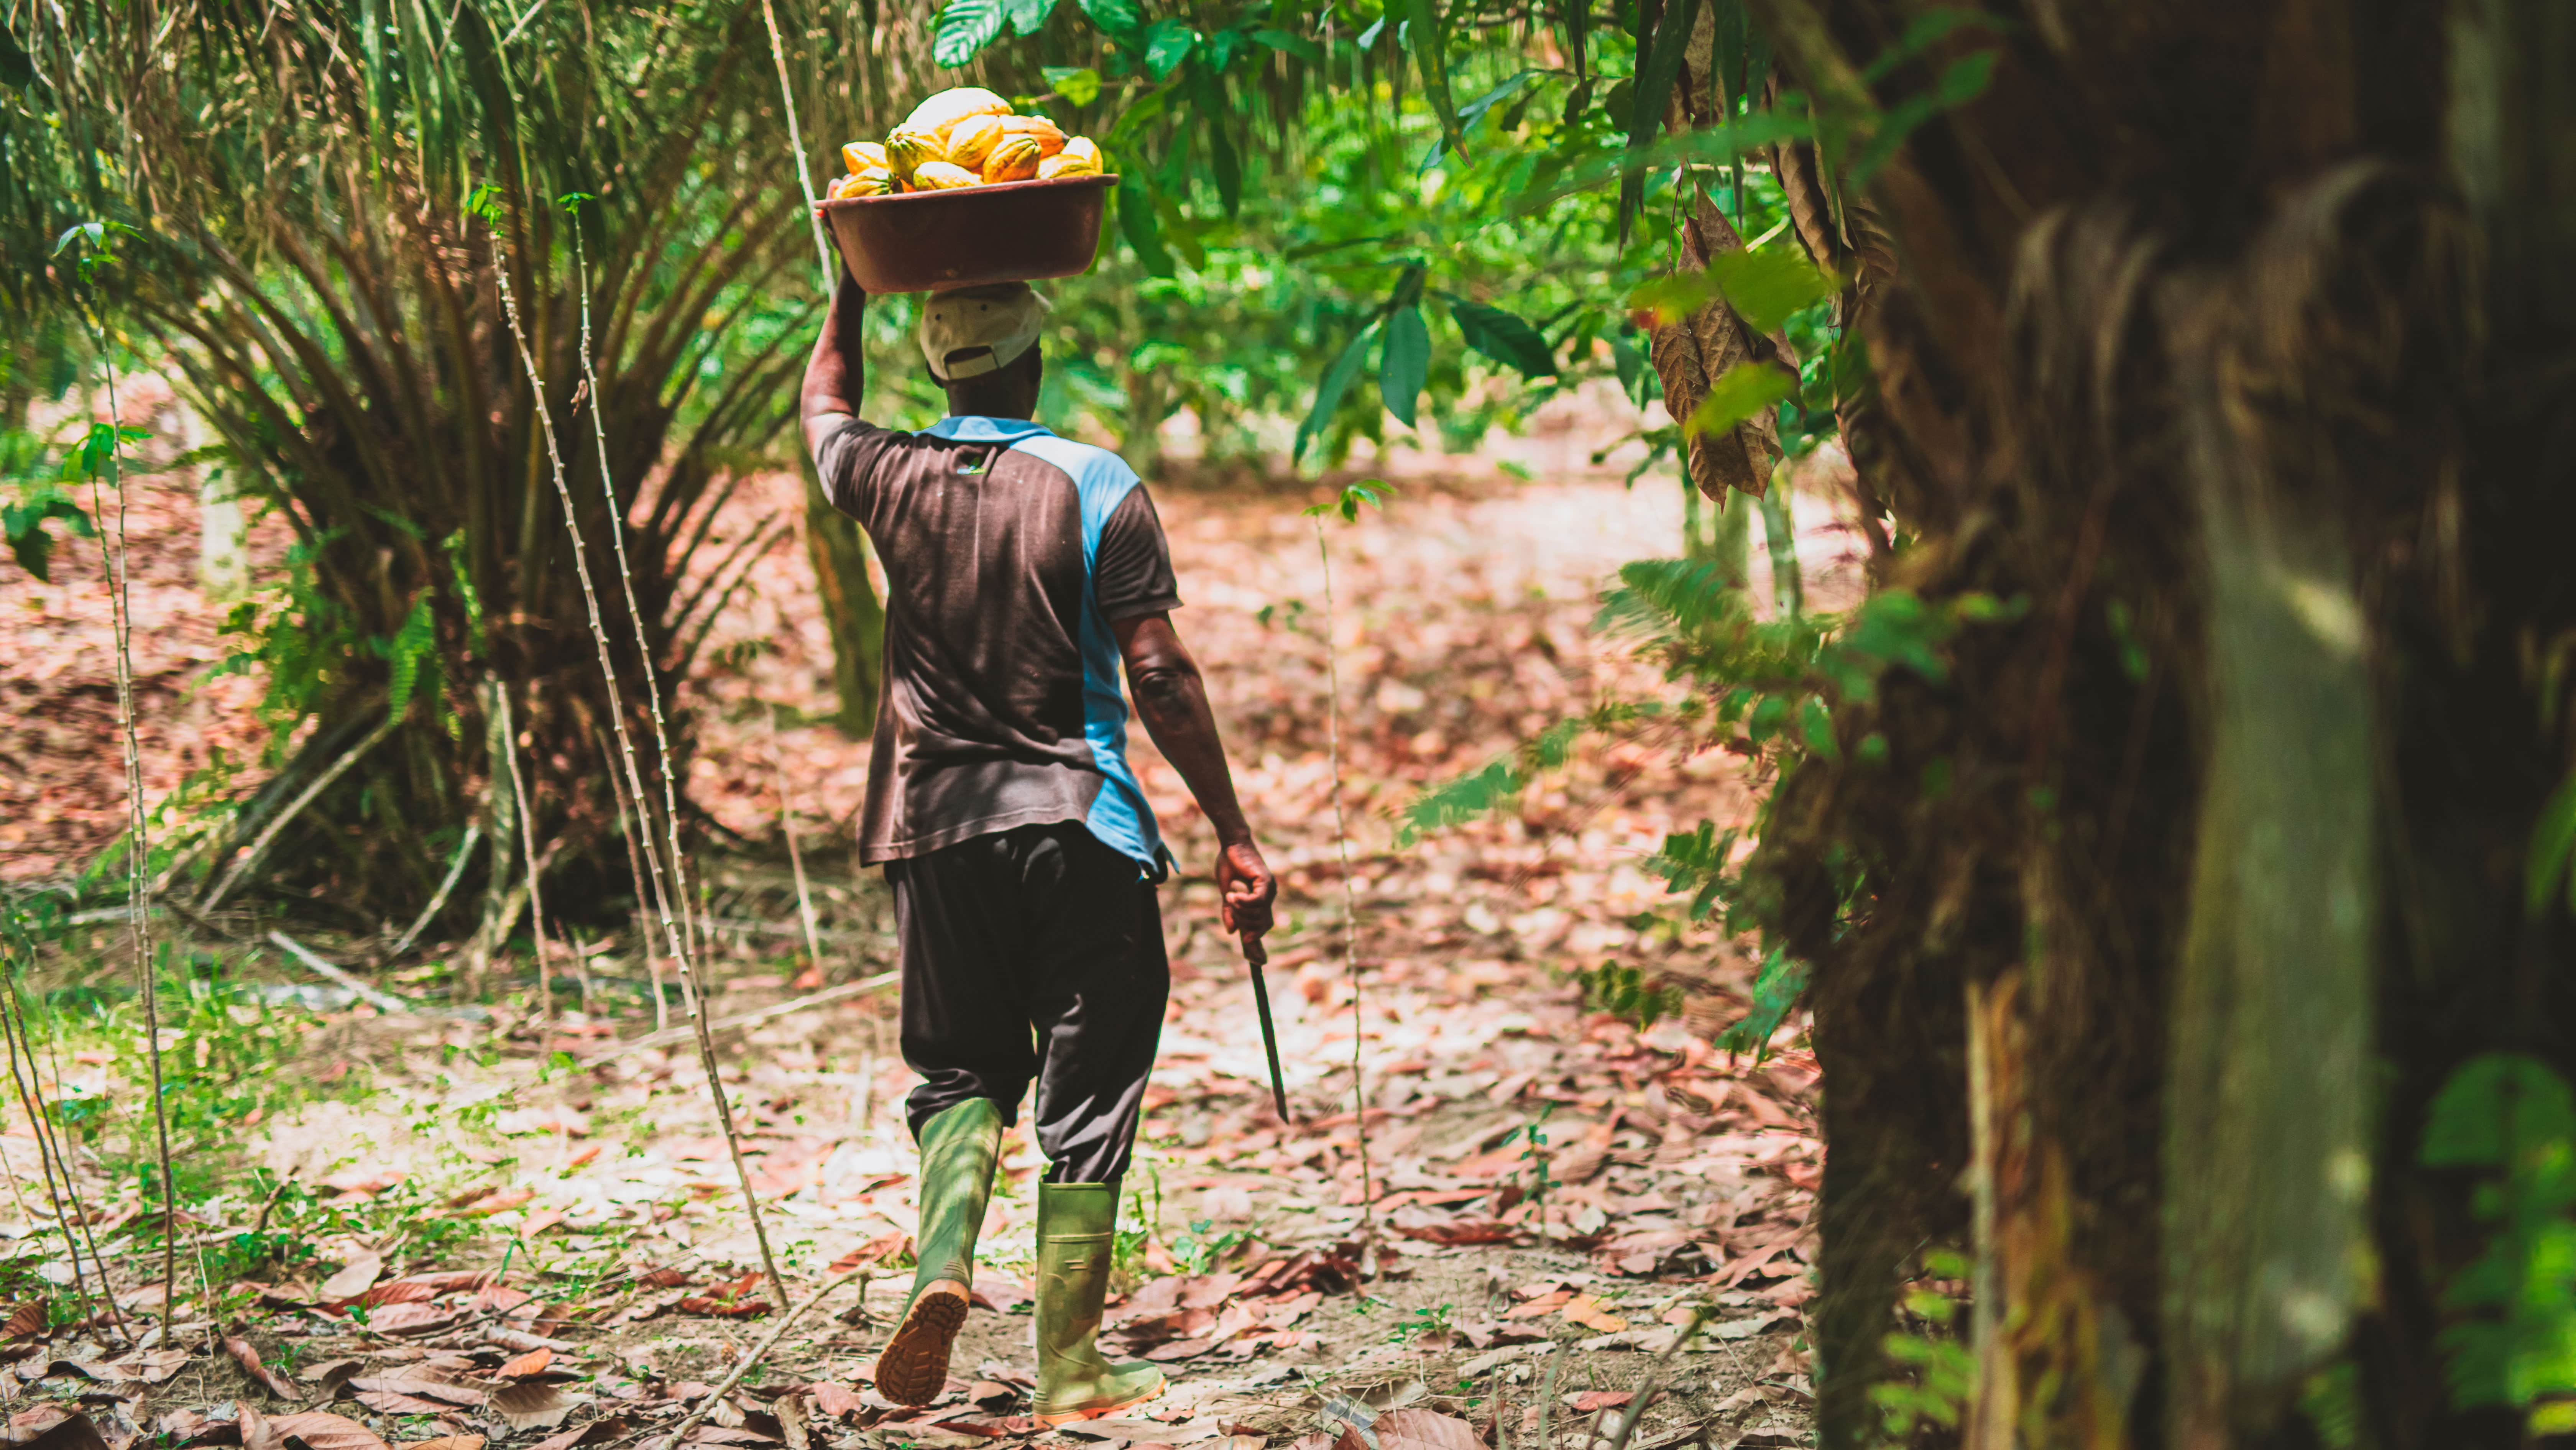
2234,339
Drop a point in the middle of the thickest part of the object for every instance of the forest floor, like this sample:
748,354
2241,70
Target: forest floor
1536,1198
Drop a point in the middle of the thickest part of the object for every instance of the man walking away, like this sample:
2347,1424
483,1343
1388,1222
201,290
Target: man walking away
1022,570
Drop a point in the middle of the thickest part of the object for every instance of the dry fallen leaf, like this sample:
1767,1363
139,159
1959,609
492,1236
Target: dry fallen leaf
248,1358
410,1319
1592,1314
318,1430
837,1401
534,1407
25,1322
444,1442
590,1434
74,1431
532,1362
420,1382
354,1278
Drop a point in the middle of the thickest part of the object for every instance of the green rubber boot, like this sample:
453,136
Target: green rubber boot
1077,1223
958,1150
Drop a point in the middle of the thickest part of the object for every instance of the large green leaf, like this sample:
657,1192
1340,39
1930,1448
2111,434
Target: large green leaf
1120,20
1502,336
1167,45
1080,85
1328,393
1406,365
965,27
1027,16
28,538
1139,224
1659,66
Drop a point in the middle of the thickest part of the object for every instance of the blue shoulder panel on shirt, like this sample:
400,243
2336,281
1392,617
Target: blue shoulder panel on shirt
969,428
1102,480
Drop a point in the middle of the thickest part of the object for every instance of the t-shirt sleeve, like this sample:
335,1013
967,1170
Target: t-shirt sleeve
847,460
1132,570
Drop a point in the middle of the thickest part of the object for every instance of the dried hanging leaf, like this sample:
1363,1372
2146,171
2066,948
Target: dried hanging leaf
354,1278
248,1358
532,1362
534,1407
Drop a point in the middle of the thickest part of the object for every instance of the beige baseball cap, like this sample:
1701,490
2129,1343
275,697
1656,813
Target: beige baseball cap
977,330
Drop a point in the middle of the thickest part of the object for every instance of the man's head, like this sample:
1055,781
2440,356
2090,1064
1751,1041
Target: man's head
982,346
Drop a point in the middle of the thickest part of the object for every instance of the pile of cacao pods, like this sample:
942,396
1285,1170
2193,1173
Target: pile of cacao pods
964,137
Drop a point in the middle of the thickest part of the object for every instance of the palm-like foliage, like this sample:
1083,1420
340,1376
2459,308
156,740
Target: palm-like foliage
293,191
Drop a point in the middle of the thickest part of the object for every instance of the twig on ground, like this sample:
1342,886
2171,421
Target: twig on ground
382,1001
446,886
778,1331
825,998
1653,1381
268,834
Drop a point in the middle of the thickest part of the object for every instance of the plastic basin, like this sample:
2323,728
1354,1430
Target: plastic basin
1009,231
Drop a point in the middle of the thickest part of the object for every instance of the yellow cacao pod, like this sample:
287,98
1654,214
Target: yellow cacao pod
1014,158
941,176
1086,151
860,155
943,111
1050,137
907,150
973,140
875,181
1064,165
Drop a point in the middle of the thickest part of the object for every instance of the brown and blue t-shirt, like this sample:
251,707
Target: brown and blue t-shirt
1008,553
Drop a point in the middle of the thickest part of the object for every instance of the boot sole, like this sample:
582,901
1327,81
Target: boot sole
913,1367
1102,1412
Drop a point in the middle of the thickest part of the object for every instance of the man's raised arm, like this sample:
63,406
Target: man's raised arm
835,374
1171,697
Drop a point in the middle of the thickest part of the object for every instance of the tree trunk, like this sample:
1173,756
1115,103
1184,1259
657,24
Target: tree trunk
2235,341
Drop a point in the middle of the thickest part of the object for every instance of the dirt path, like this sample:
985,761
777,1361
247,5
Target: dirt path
1544,1177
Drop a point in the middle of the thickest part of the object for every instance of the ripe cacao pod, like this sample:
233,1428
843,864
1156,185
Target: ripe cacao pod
1050,138
941,176
1086,151
875,181
973,140
907,149
860,155
1014,158
941,113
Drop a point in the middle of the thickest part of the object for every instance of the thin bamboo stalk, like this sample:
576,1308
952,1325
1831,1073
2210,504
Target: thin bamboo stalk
138,862
617,719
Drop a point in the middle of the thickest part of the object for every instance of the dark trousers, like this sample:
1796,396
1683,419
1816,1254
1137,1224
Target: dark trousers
1034,953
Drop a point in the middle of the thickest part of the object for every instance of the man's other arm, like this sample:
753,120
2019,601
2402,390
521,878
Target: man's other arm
835,374
1171,697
